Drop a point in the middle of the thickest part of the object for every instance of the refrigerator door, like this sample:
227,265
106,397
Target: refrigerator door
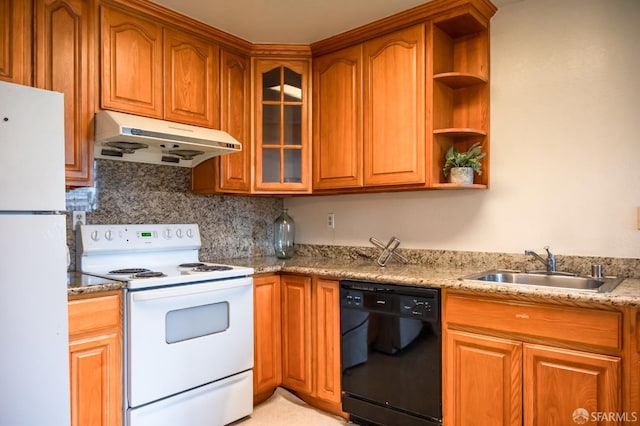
31,149
34,360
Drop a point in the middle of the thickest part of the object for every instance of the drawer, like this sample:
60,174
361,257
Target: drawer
537,322
87,314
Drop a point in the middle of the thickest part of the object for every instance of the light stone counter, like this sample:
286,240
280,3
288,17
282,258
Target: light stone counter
626,294
417,274
79,283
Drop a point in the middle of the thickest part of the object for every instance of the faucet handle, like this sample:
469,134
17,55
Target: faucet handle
596,272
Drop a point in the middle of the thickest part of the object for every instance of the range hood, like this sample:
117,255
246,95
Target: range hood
127,137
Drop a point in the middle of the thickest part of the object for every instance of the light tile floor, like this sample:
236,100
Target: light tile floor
284,408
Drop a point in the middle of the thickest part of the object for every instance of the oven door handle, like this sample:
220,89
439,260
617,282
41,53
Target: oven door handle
187,290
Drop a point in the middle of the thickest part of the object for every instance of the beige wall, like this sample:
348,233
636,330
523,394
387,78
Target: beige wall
565,144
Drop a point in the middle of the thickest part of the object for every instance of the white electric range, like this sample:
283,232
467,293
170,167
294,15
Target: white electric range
188,325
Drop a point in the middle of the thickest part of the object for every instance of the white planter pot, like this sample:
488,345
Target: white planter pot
461,175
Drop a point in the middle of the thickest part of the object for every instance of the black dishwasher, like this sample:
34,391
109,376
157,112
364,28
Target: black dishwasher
391,345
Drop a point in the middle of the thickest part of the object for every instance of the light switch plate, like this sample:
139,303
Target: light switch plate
331,220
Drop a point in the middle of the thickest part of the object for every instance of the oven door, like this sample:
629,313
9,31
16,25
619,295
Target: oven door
186,336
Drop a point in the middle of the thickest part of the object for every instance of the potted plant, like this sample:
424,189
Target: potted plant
461,165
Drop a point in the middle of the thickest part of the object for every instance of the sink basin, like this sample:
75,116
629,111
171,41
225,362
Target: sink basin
606,285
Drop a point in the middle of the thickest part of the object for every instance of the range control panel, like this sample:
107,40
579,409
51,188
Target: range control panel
106,238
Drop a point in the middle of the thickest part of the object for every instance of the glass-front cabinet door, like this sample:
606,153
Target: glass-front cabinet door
282,132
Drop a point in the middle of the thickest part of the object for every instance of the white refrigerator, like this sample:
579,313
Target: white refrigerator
34,353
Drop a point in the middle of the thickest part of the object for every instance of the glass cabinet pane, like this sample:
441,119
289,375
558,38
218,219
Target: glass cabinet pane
271,85
292,165
292,85
281,125
270,165
271,124
292,124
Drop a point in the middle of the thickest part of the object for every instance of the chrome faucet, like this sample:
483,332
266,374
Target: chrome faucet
549,262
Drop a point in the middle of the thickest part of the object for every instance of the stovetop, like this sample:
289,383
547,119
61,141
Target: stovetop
148,255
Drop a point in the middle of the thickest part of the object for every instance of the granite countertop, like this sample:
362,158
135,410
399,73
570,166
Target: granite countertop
79,283
626,294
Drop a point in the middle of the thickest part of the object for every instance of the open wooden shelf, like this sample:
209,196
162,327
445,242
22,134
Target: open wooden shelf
458,186
460,83
457,80
459,132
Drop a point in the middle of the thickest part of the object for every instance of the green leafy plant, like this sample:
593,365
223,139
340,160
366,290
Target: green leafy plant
469,158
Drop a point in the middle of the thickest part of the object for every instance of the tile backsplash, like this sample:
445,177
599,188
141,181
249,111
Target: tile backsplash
230,226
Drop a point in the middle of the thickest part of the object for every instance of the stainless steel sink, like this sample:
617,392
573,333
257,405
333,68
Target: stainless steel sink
559,280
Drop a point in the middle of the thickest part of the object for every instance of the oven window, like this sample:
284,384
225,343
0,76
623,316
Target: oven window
198,321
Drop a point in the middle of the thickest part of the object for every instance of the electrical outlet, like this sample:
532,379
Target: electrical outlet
331,220
79,217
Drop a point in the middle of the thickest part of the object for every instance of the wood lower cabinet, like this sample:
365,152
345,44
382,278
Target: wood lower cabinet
557,382
64,62
267,367
483,384
311,340
15,41
95,359
296,333
515,362
326,332
305,311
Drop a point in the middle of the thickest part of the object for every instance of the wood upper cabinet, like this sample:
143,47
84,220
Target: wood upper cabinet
15,41
153,70
64,62
95,359
282,133
231,172
296,333
369,113
513,362
131,63
235,112
190,80
337,119
394,108
267,368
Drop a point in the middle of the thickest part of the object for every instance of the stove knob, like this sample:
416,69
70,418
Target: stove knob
108,235
168,233
190,233
95,236
179,233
